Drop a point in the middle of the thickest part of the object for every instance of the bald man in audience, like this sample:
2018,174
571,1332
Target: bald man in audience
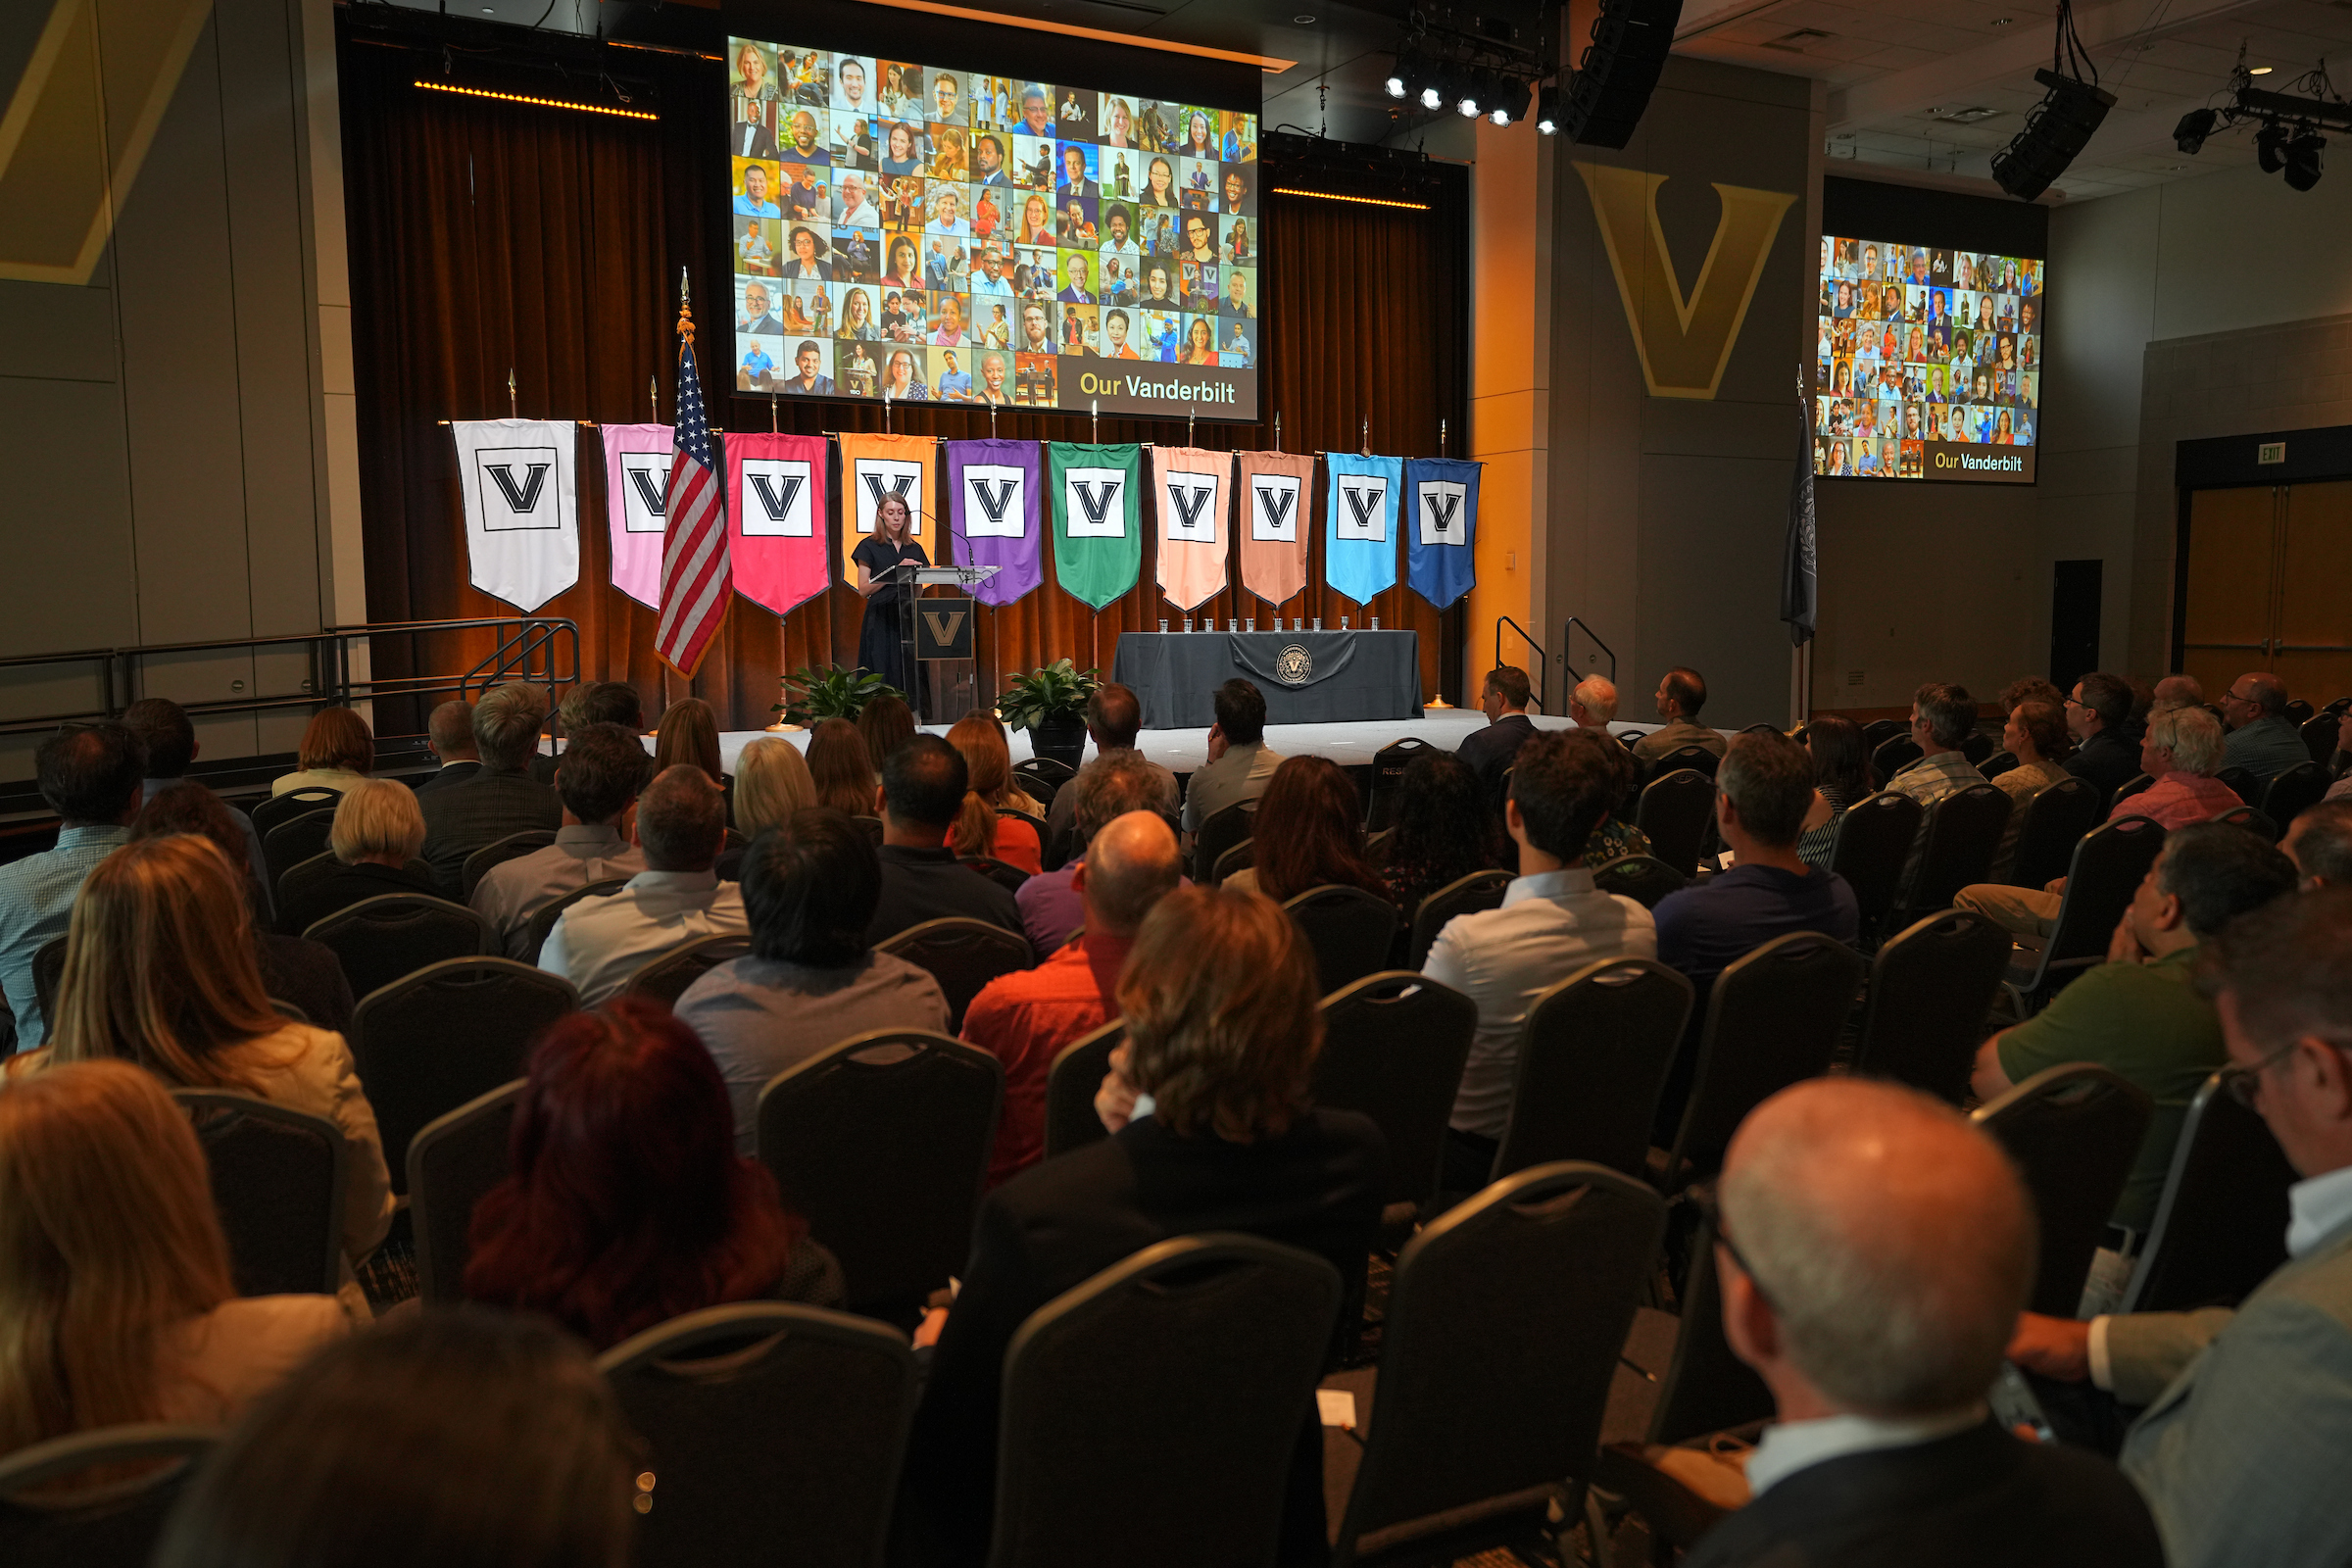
1024,1019
1120,780
2246,1434
449,736
2177,691
2263,740
1592,705
2319,843
1681,693
1874,1251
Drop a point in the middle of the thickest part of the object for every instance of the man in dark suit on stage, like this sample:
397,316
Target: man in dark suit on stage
1875,1247
1489,751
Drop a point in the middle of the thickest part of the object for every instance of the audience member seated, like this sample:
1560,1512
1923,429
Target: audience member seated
2138,1014
1444,832
1841,780
463,1438
1942,716
1119,781
812,979
603,701
2263,740
2030,689
600,942
923,785
772,785
2096,716
1592,705
1681,693
378,829
2319,843
89,776
596,780
1241,765
2177,691
886,723
628,1205
1874,1251
1222,1033
337,751
1025,1018
1489,751
2246,1431
160,971
1113,721
1309,833
163,728
843,770
2035,735
502,799
449,736
114,1274
1553,922
305,974
988,767
689,733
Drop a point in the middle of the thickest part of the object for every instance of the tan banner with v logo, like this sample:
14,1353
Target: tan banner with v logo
1683,344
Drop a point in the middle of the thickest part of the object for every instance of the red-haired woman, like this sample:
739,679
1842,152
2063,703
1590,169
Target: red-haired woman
1309,833
336,752
628,1205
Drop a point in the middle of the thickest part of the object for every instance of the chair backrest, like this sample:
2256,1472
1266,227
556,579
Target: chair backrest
1675,812
543,920
2221,1225
1773,1019
881,1143
453,1161
295,840
1072,1082
767,1423
1997,763
1963,834
1394,1044
1643,878
268,814
872,826
278,1185
665,979
1387,780
392,934
1931,988
1879,731
1221,832
1511,1305
2129,788
2299,709
1872,841
1015,814
1593,1054
514,846
2254,822
1041,778
2108,864
110,1522
2074,1132
1003,873
1707,1388
962,954
2319,735
1892,755
1976,746
1468,895
1218,1340
2055,822
1350,930
2296,790
446,1035
1698,758
2240,782
1241,857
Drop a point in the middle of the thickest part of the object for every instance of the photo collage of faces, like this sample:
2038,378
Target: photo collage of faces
1919,348
926,232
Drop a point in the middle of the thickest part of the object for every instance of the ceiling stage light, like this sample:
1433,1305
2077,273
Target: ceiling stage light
2303,159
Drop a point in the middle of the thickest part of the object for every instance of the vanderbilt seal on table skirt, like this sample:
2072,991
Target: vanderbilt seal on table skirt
1294,665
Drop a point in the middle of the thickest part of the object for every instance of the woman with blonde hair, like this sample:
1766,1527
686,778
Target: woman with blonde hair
841,768
379,830
336,752
771,782
115,1301
988,765
160,971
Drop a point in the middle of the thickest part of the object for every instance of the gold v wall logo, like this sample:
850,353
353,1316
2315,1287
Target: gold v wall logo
1683,344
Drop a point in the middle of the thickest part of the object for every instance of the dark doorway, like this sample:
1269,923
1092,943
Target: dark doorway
2074,621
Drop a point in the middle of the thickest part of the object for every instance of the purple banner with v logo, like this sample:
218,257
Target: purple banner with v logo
993,492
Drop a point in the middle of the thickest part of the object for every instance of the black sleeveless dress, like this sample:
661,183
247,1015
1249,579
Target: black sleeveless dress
881,636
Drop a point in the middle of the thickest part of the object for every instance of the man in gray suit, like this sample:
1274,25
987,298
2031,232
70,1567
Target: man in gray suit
2247,1430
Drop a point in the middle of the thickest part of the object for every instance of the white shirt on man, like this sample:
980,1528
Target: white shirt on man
512,891
599,942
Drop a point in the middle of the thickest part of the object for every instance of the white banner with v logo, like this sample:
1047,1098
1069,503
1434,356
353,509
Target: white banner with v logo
520,487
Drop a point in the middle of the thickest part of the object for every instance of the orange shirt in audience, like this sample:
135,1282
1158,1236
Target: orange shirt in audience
1024,1019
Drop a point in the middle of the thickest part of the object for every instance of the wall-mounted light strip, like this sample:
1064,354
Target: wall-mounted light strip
543,103
1360,201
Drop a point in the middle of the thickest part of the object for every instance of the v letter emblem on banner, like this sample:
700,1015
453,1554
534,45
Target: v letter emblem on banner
1189,504
900,484
650,490
993,499
1683,344
1276,501
526,499
776,503
1442,508
1097,499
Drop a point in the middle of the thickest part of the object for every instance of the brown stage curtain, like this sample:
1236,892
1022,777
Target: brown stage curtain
485,235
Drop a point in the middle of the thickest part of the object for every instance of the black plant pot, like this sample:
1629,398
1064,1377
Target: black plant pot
1061,739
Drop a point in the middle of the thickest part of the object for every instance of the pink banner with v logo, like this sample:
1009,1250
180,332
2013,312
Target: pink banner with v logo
776,518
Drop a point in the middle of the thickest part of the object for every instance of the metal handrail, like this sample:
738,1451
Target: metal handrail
1568,635
1542,658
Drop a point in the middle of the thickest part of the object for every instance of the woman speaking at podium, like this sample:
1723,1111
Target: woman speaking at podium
881,637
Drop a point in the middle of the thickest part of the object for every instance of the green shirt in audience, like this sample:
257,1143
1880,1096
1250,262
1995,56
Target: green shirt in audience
2146,1023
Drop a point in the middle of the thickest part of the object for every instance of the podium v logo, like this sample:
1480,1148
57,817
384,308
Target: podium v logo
1683,344
526,499
944,627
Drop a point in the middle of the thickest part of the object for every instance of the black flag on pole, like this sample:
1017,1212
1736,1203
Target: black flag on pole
1799,595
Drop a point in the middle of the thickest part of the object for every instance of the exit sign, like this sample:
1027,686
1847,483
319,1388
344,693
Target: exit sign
2270,452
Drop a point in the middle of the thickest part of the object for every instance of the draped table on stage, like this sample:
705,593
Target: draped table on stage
1308,677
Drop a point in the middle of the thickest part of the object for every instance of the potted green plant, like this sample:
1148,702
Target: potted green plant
813,696
1051,704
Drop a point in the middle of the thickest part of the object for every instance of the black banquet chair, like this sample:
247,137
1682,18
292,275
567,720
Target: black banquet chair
2106,870
380,940
1003,873
2221,1225
1874,839
1221,832
2292,793
1241,857
1474,893
1963,834
767,1423
2074,1132
277,1183
543,921
1394,1046
1041,778
1931,990
1675,812
2253,821
1511,1305
1217,1339
2055,822
2319,733
278,809
1892,755
962,954
482,861
1350,930
1643,878
453,1161
112,1522
882,1144
1698,758
294,841
1387,780
1077,1072
665,979
1593,1056
446,1035
2240,782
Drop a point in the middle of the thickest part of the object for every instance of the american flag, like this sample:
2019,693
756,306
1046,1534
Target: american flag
695,580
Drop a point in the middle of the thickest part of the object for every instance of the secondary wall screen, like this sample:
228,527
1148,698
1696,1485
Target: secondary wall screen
1930,363
933,234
